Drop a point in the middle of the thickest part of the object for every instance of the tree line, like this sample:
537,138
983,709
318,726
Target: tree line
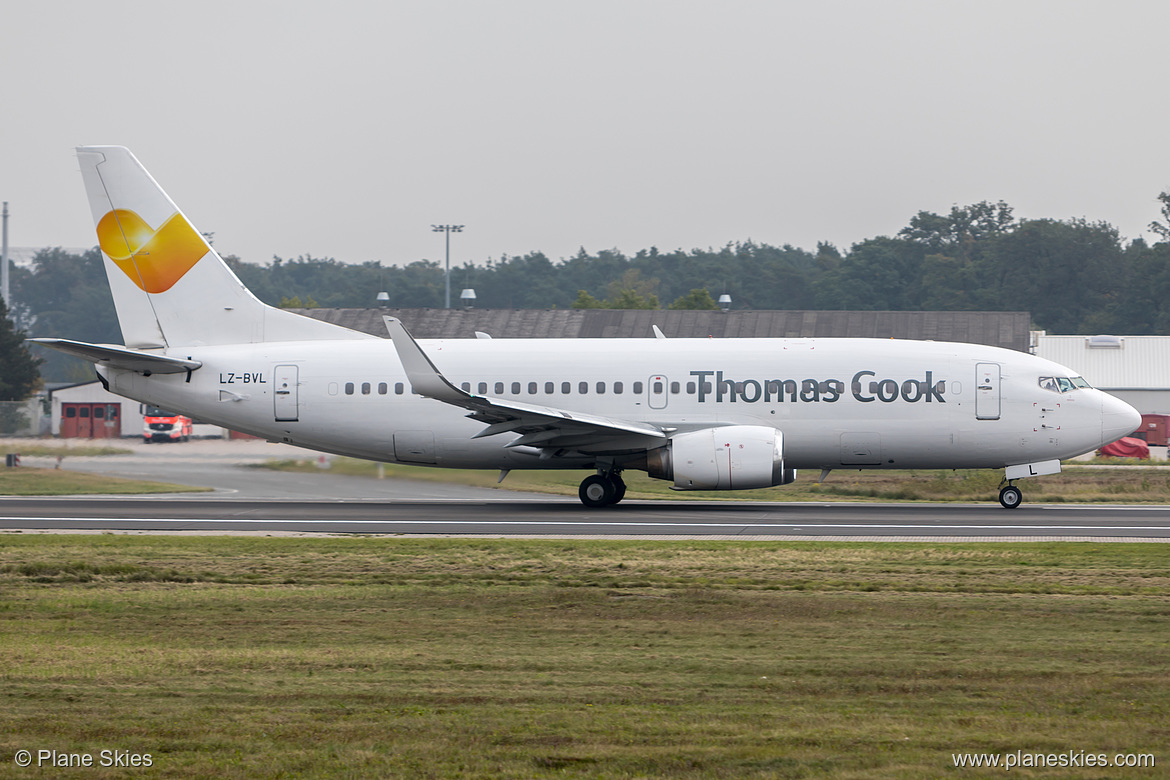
1074,276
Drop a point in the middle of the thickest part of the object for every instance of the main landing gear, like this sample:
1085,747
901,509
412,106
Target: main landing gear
602,489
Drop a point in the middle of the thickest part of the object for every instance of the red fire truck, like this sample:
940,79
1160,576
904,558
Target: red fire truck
161,425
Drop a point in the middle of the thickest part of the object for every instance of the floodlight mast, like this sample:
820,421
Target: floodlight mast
448,229
4,262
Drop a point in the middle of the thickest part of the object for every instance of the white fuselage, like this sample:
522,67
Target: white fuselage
840,403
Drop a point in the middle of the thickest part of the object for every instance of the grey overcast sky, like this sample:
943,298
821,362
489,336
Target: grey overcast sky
346,129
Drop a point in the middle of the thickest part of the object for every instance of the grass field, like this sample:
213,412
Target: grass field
383,657
1075,484
25,481
64,450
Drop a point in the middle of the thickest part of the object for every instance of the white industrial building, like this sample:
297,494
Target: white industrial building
1136,369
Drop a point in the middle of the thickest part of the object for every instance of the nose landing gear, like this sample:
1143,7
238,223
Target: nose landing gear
1010,496
602,489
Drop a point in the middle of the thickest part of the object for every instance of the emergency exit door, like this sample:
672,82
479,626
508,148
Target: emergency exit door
285,393
987,391
657,392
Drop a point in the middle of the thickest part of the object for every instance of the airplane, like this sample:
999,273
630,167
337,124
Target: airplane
704,414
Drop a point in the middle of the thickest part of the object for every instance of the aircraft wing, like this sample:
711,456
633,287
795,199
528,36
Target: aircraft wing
121,357
538,426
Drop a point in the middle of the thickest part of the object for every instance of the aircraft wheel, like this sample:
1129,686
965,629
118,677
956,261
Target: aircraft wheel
596,491
619,489
1011,497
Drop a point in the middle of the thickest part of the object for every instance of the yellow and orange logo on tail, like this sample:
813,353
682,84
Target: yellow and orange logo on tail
153,259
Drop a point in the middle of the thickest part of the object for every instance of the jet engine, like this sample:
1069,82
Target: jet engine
733,457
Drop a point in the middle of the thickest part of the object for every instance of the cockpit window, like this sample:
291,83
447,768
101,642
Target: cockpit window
1062,384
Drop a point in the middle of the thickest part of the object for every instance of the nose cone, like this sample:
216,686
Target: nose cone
1117,419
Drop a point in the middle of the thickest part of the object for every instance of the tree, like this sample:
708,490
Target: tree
1163,228
696,300
19,376
295,302
1062,272
878,274
963,227
631,299
587,301
65,295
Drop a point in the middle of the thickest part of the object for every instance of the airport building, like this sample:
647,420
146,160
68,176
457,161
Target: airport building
1136,369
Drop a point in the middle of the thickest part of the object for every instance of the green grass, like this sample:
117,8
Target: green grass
65,450
382,657
26,481
1130,485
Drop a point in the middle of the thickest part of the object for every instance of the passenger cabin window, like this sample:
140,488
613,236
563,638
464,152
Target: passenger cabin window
566,387
398,388
532,388
637,388
365,388
601,388
674,388
382,388
499,388
549,388
691,388
482,390
515,388
349,388
583,388
617,388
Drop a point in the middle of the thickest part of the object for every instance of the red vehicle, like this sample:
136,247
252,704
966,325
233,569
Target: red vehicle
161,425
1155,429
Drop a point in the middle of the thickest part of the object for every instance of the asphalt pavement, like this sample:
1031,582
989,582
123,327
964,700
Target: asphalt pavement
246,499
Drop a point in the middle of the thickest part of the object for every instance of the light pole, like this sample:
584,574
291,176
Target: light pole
448,229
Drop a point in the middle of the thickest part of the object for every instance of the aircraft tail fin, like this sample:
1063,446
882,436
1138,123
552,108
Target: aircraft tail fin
170,287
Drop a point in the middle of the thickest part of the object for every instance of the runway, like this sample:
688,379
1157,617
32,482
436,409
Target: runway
261,501
554,517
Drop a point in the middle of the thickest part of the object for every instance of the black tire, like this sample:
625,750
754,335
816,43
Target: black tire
596,491
619,489
1011,497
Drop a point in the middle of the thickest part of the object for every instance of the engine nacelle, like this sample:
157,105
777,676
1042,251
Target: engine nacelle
732,457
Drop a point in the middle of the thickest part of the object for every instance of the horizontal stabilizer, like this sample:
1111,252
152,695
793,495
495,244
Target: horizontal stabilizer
121,357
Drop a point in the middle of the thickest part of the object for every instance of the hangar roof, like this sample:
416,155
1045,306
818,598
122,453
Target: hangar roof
1002,329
